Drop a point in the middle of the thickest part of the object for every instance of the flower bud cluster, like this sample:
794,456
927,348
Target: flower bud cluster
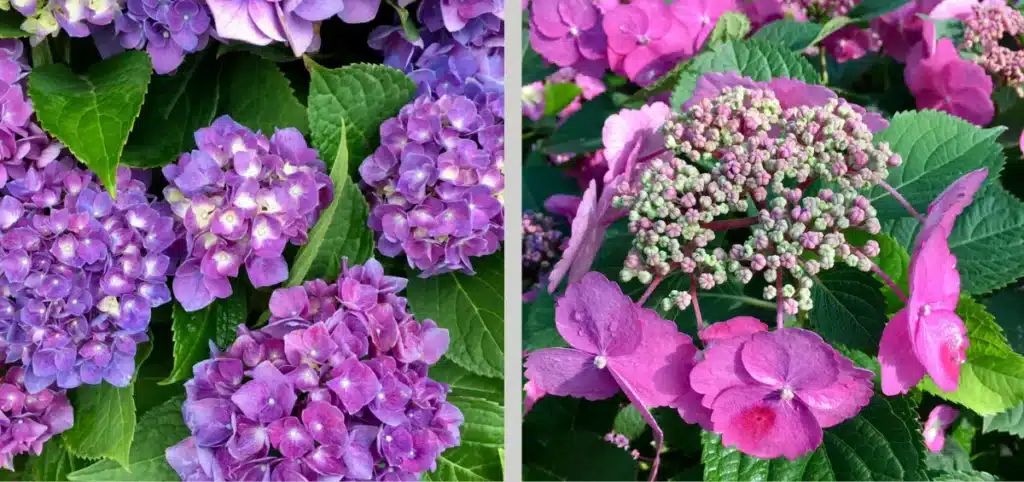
740,153
28,420
984,30
335,386
242,198
542,247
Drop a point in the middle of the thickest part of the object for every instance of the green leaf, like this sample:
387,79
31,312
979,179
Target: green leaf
55,463
409,27
542,180
868,9
539,324
992,378
471,308
465,384
275,52
581,132
1008,308
629,422
104,423
754,58
480,452
257,95
573,455
1010,421
364,96
10,24
790,33
882,442
193,331
535,68
937,148
341,230
558,96
92,114
964,476
730,26
158,429
988,241
849,308
179,105
893,260
464,463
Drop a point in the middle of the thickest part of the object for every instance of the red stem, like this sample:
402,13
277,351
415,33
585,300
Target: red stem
727,224
778,310
650,290
696,305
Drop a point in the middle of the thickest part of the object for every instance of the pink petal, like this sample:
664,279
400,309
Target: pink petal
692,411
720,370
843,399
233,22
765,428
941,345
659,368
568,372
942,212
733,327
596,317
642,406
933,277
581,225
900,368
790,357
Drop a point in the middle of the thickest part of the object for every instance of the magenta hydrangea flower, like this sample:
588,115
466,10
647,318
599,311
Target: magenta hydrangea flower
435,184
699,17
568,32
615,345
28,420
336,386
927,336
772,393
944,81
940,418
633,136
594,214
242,198
645,40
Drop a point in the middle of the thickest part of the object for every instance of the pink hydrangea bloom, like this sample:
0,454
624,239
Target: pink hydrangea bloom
927,336
900,29
851,42
645,40
593,216
946,82
567,32
634,135
772,393
615,345
699,17
939,420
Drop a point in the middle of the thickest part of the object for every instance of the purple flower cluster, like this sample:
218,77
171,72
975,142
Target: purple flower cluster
986,26
242,198
542,246
435,184
335,386
28,420
166,29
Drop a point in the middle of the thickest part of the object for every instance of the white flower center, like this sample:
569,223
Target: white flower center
600,361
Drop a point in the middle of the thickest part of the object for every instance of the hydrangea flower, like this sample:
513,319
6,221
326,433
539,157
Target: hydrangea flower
262,22
337,385
594,214
568,32
542,245
166,29
772,393
435,184
645,40
699,17
944,81
927,336
633,136
615,345
940,418
28,420
242,198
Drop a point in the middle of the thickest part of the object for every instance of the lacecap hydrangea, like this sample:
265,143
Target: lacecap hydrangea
242,197
29,420
335,386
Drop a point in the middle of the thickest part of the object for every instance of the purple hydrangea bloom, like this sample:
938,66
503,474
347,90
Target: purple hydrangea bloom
166,29
335,386
28,420
242,198
435,184
262,22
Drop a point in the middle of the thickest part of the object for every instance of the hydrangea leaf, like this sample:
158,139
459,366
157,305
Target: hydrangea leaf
893,260
849,308
364,96
54,463
937,148
868,9
340,231
275,52
558,96
1008,308
730,26
882,442
578,455
791,33
539,324
480,453
93,113
193,331
157,430
754,58
629,422
10,26
581,132
964,476
471,308
545,181
180,104
535,69
465,384
256,94
1011,421
992,378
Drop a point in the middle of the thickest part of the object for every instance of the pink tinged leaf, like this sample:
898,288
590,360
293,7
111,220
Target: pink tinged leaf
569,372
596,317
901,369
941,345
659,367
765,428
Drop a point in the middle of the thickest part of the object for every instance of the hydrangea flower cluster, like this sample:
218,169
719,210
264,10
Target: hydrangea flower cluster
621,441
335,386
759,145
542,247
242,198
28,420
166,29
987,25
435,184
772,393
